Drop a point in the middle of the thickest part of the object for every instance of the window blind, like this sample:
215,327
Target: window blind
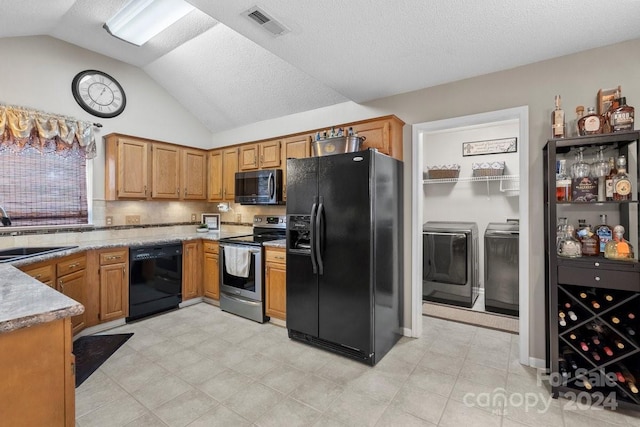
47,188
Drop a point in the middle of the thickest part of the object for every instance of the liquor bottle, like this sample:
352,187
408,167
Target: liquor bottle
621,118
621,182
569,246
584,187
563,182
618,248
604,232
608,180
579,114
557,120
561,229
350,131
589,242
591,123
629,378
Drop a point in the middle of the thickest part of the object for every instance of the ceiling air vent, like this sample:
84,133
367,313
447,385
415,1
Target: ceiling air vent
265,21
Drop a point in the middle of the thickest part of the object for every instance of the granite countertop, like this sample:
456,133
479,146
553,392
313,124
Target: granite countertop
24,301
282,243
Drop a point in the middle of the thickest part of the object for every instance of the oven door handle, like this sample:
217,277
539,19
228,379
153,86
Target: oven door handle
319,237
313,238
253,251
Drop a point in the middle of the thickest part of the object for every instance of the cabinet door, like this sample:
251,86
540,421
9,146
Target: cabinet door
114,292
249,156
384,134
190,270
194,174
165,171
72,285
215,176
270,154
276,284
298,147
132,168
211,276
229,169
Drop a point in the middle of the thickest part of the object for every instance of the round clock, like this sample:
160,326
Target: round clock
98,93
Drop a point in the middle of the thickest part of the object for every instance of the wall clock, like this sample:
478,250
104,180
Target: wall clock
98,93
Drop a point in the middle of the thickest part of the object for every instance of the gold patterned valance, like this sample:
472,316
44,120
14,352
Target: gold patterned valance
22,127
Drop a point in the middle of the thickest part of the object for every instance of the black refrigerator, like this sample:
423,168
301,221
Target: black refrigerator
344,253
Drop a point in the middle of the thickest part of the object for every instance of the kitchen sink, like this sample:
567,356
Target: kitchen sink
13,254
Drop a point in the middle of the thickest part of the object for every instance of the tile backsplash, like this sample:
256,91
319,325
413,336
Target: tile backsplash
156,212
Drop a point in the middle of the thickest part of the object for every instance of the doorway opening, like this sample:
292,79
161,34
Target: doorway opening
447,136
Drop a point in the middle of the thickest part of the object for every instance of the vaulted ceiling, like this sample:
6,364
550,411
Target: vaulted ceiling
229,71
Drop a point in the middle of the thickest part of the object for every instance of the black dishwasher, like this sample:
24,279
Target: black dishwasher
155,279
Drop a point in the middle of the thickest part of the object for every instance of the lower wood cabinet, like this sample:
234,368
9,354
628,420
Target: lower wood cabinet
276,283
211,270
191,270
38,376
114,283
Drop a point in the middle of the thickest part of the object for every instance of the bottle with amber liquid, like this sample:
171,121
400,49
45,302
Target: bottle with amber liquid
589,242
591,123
621,118
563,183
557,120
618,248
621,182
604,233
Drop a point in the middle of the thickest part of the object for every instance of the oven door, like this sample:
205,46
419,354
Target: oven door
248,287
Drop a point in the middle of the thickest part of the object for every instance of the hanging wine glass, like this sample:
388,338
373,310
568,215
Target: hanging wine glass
580,169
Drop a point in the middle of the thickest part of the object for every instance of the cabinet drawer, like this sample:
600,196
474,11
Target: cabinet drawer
600,278
210,247
113,257
43,273
278,256
71,264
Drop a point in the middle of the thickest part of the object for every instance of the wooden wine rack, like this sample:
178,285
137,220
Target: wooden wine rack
599,338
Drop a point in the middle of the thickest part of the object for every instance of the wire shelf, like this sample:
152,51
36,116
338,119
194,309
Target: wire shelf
511,178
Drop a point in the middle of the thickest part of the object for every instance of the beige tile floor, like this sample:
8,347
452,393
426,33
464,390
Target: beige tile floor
199,366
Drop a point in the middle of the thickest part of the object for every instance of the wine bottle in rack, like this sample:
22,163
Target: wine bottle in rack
569,356
630,380
562,364
595,304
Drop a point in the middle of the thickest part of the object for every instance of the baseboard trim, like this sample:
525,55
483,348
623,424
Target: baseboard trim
537,363
100,328
189,302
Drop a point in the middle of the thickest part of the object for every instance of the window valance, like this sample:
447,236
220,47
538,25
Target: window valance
22,128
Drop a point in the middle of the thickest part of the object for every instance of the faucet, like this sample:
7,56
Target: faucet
6,221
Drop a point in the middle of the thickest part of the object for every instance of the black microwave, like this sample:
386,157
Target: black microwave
263,187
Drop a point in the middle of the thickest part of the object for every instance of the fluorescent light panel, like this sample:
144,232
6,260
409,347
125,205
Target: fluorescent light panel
140,20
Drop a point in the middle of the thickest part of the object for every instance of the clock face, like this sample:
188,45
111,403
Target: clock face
98,93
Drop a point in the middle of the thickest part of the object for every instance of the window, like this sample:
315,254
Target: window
43,167
44,188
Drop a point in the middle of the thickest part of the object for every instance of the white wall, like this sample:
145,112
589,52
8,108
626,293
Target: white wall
38,71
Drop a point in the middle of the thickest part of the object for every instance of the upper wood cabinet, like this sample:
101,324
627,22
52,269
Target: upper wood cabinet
215,173
166,171
194,174
294,147
229,169
260,155
127,168
383,133
138,168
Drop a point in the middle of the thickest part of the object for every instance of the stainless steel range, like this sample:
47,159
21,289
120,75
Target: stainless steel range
242,267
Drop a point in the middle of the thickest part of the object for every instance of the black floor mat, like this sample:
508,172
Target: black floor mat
91,352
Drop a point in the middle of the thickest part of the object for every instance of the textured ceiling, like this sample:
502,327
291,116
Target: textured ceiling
229,72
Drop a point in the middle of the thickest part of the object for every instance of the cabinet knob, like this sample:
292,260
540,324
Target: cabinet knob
597,278
597,264
74,265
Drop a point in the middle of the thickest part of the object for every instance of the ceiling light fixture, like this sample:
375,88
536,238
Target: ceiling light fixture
140,20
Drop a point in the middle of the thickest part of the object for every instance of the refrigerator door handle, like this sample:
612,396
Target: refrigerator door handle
313,239
318,233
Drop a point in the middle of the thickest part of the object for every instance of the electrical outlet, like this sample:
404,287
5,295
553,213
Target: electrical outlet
238,217
132,219
193,217
109,220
